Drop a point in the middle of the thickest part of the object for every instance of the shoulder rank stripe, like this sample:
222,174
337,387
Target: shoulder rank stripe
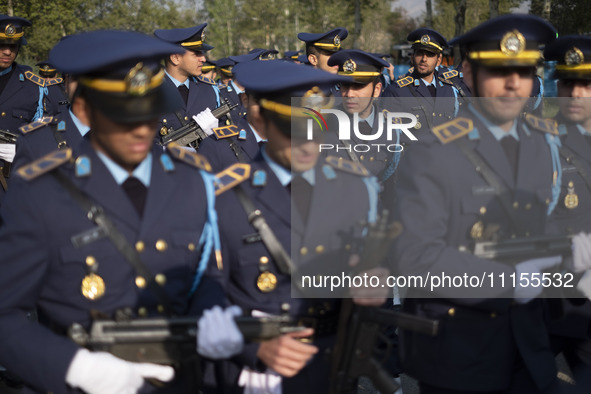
347,165
546,125
231,176
35,78
402,82
226,131
450,74
53,81
206,80
453,129
191,158
44,121
45,164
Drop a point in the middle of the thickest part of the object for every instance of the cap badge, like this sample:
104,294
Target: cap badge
573,57
337,41
203,35
138,80
349,66
425,39
313,98
512,43
10,30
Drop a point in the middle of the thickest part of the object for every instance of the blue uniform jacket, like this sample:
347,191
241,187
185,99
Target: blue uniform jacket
442,202
219,153
243,252
42,269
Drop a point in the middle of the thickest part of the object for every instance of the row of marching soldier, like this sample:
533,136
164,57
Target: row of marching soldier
139,190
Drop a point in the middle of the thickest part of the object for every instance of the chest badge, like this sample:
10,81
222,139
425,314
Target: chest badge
266,282
571,200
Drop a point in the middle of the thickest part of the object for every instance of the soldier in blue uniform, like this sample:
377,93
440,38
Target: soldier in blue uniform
431,97
56,99
292,56
181,69
21,91
64,261
571,215
225,71
321,46
487,175
359,97
255,274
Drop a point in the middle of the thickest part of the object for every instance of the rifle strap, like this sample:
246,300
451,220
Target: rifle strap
96,213
59,138
236,149
352,155
258,221
3,180
570,158
501,191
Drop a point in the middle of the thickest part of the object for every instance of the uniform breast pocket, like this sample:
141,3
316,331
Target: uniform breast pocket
23,114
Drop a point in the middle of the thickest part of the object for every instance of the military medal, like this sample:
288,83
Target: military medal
477,230
571,200
266,282
93,287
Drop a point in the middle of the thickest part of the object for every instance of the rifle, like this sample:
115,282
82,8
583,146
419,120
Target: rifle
520,249
7,137
167,341
359,326
191,132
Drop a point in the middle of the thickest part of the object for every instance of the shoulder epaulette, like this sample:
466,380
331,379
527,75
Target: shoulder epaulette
453,129
225,131
546,125
347,165
44,121
191,158
45,164
231,176
445,81
402,82
53,81
450,74
35,78
206,80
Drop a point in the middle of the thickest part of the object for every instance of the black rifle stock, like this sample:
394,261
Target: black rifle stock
7,137
359,327
167,341
521,249
191,132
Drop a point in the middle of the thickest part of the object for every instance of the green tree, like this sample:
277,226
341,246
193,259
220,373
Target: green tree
568,16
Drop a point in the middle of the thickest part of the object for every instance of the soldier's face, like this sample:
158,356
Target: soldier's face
295,155
191,63
321,61
506,90
358,98
575,100
425,62
8,54
125,144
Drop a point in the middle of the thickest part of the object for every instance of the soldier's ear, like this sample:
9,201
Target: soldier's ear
468,72
439,60
313,59
377,89
175,59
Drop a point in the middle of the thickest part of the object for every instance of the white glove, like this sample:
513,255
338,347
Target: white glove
581,252
524,294
218,335
100,372
206,121
7,152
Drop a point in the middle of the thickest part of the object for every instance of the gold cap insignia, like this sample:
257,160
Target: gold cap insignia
203,35
337,41
138,80
425,39
10,30
314,98
349,66
573,57
513,43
